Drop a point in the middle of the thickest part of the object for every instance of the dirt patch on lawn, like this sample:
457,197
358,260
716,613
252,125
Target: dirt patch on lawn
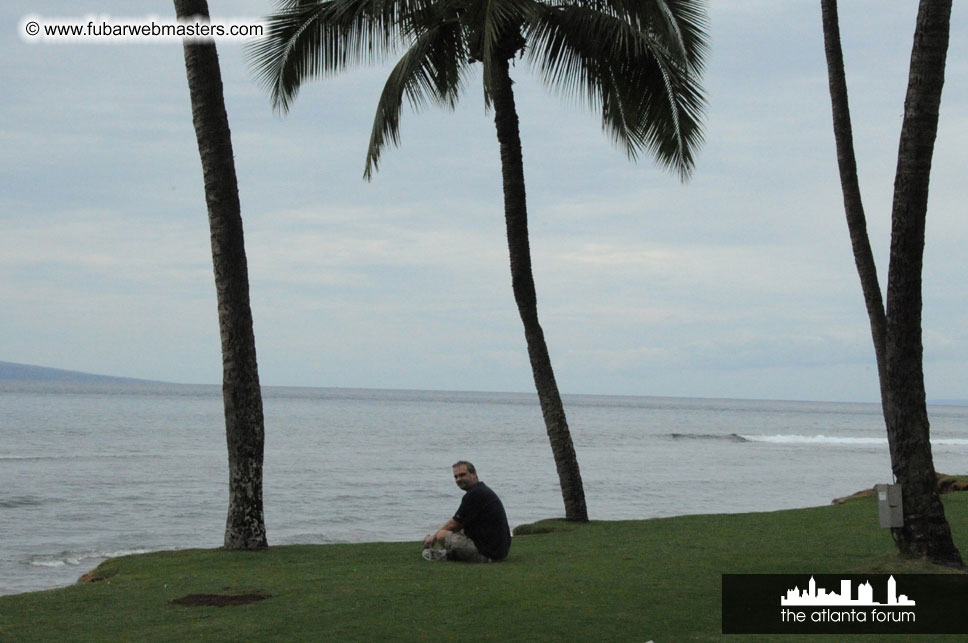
218,600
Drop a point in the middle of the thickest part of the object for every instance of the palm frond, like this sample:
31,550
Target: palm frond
494,32
432,70
638,61
650,98
308,39
681,24
689,20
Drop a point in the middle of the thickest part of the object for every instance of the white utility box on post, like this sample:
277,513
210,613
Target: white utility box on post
889,508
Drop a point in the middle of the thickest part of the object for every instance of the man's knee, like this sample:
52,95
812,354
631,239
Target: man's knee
460,547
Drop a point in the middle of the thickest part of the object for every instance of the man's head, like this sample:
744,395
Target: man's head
465,475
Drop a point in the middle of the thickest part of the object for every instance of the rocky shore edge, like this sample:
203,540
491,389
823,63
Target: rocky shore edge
946,484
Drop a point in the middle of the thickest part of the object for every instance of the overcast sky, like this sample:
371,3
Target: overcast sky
738,283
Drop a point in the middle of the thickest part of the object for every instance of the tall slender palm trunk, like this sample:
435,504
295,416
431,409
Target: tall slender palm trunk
241,393
853,204
897,330
522,280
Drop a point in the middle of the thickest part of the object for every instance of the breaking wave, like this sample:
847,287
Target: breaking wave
75,559
729,437
818,440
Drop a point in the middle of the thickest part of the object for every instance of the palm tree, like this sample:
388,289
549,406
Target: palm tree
896,330
638,60
853,204
244,426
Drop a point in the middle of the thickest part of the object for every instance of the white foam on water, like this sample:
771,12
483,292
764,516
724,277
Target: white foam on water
816,440
841,441
75,559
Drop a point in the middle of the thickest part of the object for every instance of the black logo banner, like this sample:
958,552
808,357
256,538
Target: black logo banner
845,604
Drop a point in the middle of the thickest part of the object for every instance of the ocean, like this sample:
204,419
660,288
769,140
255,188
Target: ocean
90,471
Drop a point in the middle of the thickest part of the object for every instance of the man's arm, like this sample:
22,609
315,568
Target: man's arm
449,526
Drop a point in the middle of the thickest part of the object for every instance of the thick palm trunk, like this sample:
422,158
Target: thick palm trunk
516,217
242,396
925,532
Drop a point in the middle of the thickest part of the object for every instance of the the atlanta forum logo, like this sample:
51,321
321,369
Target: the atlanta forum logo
867,603
820,606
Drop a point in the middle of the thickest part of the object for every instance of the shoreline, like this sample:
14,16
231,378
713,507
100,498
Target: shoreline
946,484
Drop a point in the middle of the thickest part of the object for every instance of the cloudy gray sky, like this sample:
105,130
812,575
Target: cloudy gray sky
738,283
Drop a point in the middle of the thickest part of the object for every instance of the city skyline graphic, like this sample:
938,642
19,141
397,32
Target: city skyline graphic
818,596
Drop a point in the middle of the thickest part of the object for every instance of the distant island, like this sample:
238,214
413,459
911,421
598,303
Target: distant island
29,373
13,372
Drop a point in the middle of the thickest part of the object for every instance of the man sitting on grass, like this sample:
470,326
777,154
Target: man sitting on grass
479,531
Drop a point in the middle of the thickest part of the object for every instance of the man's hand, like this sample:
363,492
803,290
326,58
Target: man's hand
436,538
449,526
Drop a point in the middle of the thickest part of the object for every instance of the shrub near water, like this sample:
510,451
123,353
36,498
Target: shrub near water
602,581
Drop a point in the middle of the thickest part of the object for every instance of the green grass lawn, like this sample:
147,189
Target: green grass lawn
600,581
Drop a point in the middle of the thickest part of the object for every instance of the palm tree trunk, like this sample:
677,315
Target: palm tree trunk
522,280
853,205
926,532
241,393
897,331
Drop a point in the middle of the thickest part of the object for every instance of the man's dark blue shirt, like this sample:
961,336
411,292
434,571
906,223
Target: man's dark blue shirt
482,517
